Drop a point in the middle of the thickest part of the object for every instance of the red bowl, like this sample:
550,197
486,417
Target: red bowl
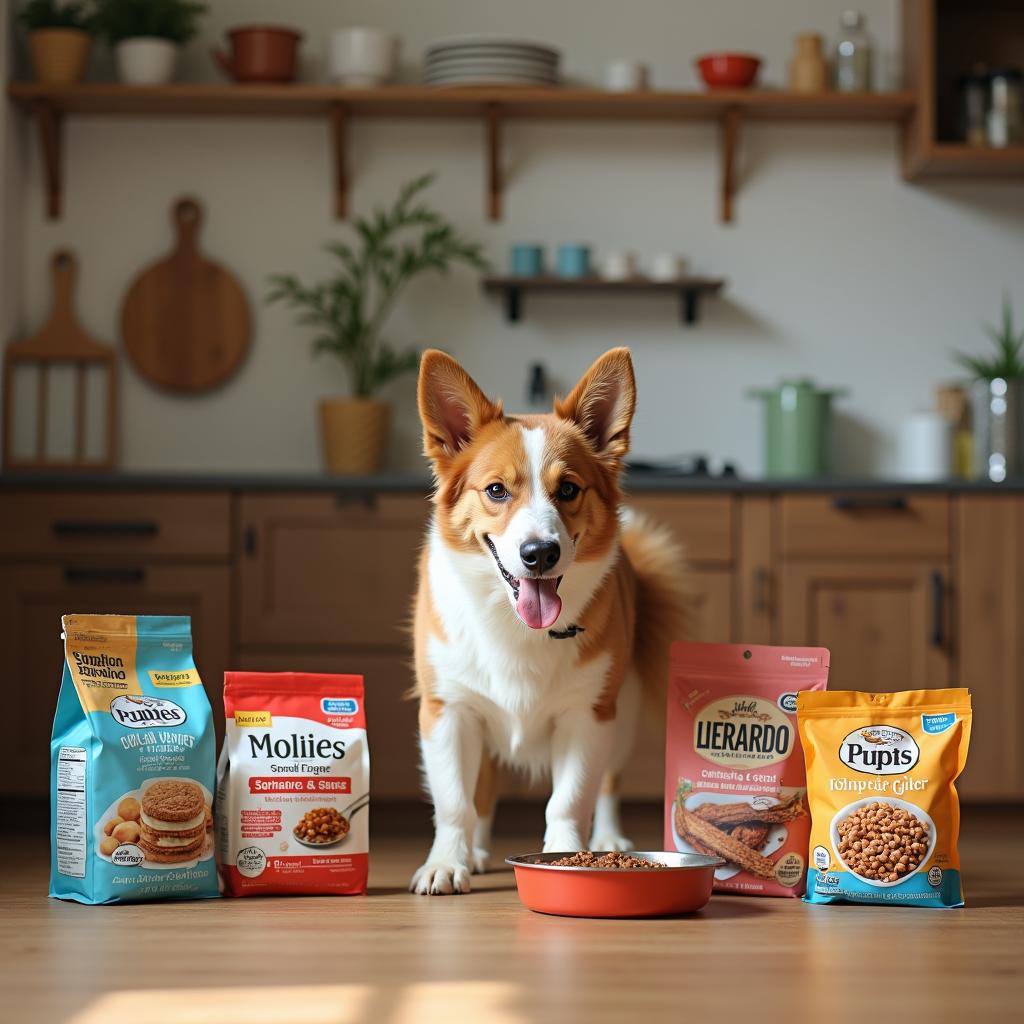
682,886
728,70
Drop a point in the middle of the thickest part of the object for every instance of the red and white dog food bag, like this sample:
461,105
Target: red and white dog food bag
293,784
734,769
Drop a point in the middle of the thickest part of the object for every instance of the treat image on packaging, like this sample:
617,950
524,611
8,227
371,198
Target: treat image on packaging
293,785
132,764
885,815
734,773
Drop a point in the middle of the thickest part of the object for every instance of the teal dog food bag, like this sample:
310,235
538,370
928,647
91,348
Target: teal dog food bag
131,764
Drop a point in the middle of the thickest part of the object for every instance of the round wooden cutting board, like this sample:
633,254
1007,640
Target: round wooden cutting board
185,321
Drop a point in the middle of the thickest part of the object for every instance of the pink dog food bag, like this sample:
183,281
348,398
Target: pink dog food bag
734,769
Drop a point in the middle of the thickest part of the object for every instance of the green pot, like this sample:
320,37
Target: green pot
797,429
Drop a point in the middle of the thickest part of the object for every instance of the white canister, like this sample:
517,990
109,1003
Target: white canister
924,447
667,266
145,60
361,57
618,265
626,76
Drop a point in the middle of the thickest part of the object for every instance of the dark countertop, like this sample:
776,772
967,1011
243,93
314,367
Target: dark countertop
412,483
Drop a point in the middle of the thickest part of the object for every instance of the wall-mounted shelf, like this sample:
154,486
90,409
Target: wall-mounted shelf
492,107
688,289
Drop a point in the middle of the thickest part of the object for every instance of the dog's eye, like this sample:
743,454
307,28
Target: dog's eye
567,490
496,492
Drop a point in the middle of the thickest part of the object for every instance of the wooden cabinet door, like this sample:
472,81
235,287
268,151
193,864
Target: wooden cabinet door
990,654
32,600
886,624
391,727
321,569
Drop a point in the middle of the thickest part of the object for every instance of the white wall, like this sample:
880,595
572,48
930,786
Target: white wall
837,269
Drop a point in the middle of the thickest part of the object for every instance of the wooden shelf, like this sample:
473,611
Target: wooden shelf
958,160
49,105
689,290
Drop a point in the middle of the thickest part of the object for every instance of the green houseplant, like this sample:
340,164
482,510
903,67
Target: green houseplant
59,38
997,401
146,35
348,312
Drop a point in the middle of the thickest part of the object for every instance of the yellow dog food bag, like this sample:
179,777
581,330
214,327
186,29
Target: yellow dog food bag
885,816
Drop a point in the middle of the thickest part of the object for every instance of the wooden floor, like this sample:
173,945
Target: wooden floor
393,958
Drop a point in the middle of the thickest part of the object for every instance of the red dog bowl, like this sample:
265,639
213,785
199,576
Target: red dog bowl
682,886
728,70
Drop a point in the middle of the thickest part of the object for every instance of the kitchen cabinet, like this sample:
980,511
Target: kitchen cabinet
34,596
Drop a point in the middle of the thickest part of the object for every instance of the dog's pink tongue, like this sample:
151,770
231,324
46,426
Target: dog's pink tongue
538,604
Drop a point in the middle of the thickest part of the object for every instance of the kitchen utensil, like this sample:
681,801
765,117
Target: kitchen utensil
666,266
728,70
347,813
997,415
259,53
808,70
852,63
925,447
573,260
185,319
362,58
526,260
61,342
626,76
618,265
681,887
797,428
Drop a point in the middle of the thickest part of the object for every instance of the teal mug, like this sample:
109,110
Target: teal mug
526,260
573,260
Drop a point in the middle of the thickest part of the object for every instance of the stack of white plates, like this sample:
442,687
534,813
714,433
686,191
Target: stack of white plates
490,60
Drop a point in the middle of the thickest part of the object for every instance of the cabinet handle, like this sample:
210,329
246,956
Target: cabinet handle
104,574
869,504
938,609
762,582
105,528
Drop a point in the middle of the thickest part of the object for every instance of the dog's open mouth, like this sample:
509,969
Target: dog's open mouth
537,600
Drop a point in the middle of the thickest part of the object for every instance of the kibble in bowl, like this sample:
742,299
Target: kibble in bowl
882,840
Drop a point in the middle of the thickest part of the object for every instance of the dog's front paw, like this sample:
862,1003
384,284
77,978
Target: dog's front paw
562,837
610,841
437,878
481,860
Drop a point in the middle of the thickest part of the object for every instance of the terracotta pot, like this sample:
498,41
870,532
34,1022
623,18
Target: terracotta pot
355,434
808,70
260,53
59,55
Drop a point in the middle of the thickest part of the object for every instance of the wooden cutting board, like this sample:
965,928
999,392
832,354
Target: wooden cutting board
185,321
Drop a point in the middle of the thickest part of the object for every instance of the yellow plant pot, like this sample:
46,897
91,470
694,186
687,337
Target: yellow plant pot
355,434
59,55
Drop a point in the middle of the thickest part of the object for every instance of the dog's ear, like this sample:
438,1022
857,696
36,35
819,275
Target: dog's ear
602,404
452,407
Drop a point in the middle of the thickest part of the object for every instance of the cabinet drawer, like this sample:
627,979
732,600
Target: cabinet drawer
318,569
56,524
877,526
702,523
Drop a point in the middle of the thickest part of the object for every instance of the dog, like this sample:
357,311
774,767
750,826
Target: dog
543,611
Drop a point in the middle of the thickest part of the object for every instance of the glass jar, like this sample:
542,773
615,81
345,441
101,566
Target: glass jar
972,107
853,54
1004,108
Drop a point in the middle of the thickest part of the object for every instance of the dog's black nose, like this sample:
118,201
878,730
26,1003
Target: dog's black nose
540,555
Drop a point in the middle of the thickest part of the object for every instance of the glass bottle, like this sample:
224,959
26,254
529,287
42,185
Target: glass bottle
853,54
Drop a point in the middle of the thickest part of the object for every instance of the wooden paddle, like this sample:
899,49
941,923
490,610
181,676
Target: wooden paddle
185,321
61,342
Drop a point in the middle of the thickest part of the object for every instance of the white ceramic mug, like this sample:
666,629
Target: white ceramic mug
924,447
361,57
618,265
626,75
667,266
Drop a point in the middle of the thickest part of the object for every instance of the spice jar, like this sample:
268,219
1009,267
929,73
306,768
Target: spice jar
972,106
1004,110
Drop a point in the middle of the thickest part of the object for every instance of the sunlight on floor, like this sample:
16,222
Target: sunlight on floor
428,1003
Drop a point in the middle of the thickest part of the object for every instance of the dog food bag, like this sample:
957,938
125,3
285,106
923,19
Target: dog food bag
293,785
131,764
884,810
734,771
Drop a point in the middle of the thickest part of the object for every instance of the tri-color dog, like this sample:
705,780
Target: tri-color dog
543,611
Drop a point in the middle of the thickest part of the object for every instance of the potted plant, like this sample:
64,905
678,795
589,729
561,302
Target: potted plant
146,35
348,311
997,402
59,38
